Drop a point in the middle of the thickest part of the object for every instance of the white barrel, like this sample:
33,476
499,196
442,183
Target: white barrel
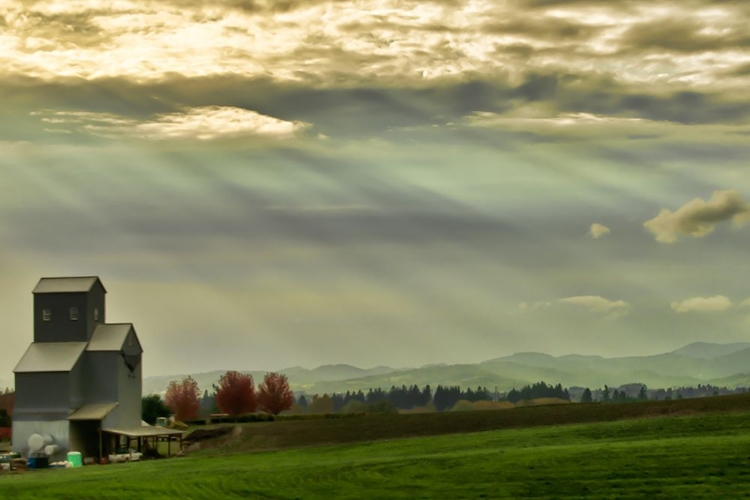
51,449
37,442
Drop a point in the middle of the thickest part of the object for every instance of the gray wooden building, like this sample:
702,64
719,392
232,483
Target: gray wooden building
79,382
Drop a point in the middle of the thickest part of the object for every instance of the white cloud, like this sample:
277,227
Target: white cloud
745,303
202,123
598,230
542,304
702,304
697,218
600,305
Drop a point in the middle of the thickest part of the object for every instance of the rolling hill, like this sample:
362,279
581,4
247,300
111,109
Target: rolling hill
698,363
704,350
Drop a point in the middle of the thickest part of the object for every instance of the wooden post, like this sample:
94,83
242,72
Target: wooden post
100,443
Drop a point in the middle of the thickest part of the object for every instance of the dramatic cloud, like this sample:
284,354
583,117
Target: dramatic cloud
702,304
205,123
175,147
600,305
698,218
675,43
598,230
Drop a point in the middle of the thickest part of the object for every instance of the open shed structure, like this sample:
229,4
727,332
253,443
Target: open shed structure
79,382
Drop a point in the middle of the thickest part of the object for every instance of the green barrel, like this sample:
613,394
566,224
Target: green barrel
74,457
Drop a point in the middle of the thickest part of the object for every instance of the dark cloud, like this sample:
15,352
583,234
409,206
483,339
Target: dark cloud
641,137
547,28
359,110
682,35
743,70
678,107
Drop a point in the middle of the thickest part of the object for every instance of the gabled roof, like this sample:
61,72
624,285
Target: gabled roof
50,357
95,411
110,337
75,284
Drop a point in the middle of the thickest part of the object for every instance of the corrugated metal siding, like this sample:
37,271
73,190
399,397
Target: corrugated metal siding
129,387
61,328
100,384
58,429
48,392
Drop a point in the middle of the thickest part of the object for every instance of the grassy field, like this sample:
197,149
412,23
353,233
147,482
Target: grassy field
322,431
699,456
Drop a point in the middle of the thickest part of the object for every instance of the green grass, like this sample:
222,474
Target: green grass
321,431
705,456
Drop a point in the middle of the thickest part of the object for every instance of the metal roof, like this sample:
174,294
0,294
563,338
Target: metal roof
93,411
75,284
144,431
109,337
50,357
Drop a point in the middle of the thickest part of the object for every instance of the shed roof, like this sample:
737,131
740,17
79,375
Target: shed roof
50,357
144,431
73,284
109,337
95,411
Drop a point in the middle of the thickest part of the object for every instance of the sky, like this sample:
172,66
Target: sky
263,184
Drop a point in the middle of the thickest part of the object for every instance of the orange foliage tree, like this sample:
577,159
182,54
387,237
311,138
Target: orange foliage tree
236,394
321,404
274,394
183,398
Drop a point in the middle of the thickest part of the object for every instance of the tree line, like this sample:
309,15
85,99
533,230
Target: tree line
640,392
235,395
443,398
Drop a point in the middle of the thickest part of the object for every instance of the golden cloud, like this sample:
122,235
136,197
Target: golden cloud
702,304
698,218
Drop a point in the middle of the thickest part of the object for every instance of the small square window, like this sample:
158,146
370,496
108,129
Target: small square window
73,314
96,314
46,314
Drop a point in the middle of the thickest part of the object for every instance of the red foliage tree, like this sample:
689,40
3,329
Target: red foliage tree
183,398
274,394
236,394
7,401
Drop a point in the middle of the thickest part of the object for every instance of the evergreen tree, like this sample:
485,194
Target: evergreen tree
514,396
426,396
586,396
302,402
605,394
642,393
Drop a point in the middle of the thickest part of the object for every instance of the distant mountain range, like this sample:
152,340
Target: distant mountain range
698,363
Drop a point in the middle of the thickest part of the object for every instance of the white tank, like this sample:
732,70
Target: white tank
51,449
37,442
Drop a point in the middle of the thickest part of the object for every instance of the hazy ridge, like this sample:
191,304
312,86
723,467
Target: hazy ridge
697,363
